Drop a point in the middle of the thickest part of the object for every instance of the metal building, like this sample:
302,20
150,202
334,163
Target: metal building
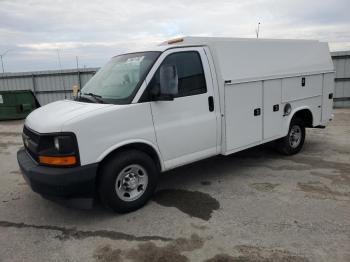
49,86
341,62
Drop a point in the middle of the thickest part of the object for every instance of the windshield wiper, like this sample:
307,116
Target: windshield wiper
98,98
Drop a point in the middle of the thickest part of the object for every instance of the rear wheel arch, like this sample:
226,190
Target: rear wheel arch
305,115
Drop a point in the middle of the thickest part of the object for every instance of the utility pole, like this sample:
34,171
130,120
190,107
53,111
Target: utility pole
62,80
2,62
257,30
78,72
77,60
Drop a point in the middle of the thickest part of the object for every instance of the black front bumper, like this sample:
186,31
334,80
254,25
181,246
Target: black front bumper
68,182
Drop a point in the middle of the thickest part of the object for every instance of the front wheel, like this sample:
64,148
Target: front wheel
294,141
127,181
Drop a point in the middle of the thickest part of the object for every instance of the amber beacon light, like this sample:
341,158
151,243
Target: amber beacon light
176,40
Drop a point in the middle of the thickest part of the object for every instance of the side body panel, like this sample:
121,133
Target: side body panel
244,130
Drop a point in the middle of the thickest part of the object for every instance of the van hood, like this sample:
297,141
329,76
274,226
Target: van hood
51,117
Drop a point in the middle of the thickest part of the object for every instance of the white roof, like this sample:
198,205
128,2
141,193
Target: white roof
247,59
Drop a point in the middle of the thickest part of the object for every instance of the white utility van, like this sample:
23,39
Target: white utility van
187,99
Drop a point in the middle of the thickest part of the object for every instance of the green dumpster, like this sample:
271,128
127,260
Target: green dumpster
16,104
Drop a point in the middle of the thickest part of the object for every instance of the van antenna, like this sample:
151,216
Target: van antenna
61,73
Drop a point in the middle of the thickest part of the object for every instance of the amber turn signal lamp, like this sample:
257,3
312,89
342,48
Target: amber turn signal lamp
58,160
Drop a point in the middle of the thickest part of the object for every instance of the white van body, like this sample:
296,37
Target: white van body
250,81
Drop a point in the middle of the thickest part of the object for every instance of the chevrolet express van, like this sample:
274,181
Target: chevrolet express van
187,99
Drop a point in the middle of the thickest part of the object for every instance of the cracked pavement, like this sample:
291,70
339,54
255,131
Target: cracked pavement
255,205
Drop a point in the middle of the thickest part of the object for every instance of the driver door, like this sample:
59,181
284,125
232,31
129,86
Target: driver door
186,127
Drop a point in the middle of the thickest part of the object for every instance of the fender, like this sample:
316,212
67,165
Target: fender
128,142
291,115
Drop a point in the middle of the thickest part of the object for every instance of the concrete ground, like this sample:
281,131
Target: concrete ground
255,205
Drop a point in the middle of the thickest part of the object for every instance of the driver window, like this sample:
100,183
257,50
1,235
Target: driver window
190,72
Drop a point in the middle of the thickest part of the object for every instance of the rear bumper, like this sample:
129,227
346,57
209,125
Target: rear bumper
68,182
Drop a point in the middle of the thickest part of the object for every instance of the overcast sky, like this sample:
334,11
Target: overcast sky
96,30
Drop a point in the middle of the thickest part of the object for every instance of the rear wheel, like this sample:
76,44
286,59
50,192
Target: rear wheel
294,141
127,181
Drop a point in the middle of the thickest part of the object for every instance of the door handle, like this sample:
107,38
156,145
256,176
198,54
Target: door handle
257,111
276,108
211,103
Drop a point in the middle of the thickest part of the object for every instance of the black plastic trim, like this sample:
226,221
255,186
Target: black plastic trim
61,182
211,103
257,111
276,108
339,99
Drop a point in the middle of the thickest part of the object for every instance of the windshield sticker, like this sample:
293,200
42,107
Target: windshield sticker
137,59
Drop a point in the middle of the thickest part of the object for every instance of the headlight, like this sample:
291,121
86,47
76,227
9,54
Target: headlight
64,144
56,142
58,150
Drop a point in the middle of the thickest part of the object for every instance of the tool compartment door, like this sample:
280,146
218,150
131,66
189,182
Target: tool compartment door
243,115
327,97
273,111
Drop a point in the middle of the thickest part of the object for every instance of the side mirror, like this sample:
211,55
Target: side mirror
168,82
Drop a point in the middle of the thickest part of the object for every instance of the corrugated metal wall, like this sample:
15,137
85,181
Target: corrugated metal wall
341,62
48,86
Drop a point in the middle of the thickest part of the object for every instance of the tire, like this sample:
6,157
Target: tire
127,181
293,142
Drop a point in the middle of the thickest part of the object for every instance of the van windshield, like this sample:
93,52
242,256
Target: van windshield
118,81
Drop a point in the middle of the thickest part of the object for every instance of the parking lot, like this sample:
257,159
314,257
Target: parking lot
255,205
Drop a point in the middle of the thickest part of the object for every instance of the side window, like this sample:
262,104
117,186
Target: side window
190,72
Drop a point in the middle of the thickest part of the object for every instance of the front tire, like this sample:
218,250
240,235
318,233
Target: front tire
294,141
127,181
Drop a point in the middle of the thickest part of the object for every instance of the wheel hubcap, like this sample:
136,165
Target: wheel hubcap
295,136
131,182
